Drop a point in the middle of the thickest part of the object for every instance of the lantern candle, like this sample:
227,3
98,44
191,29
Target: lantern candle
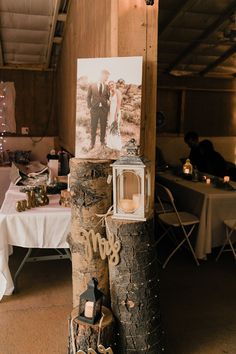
127,205
226,179
136,201
208,181
88,311
187,167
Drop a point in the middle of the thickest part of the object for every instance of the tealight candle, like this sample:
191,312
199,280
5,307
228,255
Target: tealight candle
208,181
88,311
136,200
226,179
127,205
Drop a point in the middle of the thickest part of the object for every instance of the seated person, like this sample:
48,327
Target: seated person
212,161
192,140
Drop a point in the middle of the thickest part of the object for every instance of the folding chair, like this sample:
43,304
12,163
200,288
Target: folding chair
173,220
161,206
230,227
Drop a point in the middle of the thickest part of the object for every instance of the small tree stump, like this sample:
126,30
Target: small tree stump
91,195
134,287
84,336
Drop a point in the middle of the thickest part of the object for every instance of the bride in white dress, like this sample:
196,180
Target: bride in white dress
114,118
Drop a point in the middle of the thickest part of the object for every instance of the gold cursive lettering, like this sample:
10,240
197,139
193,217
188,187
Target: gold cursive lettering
101,349
96,243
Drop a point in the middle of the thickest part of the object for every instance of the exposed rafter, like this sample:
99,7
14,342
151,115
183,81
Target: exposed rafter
179,11
205,34
52,33
220,60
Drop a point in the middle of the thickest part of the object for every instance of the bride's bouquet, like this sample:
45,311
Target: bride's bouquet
114,128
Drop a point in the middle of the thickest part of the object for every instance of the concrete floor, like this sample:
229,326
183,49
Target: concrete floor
198,307
34,321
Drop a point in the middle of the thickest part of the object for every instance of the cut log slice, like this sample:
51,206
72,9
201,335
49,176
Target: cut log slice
84,336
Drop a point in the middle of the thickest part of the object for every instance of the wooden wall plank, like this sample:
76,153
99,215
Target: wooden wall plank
34,102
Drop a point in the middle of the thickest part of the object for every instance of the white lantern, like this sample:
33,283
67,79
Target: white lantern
131,185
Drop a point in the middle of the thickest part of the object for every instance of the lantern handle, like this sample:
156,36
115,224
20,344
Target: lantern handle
132,148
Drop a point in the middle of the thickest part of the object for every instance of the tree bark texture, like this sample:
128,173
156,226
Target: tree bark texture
84,336
91,195
134,287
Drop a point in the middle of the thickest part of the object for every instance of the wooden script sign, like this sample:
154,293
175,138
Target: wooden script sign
101,349
94,242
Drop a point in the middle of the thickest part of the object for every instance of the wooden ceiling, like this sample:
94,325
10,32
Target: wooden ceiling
197,38
31,32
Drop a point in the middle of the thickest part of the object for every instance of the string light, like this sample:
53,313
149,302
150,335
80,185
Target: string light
3,118
3,125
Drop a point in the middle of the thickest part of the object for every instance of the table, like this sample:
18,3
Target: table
4,181
42,227
211,205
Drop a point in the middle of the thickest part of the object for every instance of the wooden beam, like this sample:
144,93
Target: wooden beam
205,34
174,16
62,17
52,32
226,55
24,67
57,40
150,89
1,55
184,88
182,111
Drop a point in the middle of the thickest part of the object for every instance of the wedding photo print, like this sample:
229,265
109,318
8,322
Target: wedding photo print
108,106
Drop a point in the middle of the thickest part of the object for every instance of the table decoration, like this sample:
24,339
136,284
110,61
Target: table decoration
221,184
35,197
65,198
187,168
226,179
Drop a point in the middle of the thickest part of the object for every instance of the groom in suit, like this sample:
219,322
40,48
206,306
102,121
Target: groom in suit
98,103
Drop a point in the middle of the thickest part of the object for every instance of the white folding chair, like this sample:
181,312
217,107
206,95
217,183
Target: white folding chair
161,206
230,227
173,220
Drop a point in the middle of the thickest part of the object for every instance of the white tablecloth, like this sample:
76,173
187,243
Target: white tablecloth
43,227
211,205
4,181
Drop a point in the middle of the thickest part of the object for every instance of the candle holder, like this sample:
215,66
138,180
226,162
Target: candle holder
90,307
131,185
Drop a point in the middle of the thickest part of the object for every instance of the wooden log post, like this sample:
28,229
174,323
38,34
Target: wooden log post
91,195
134,287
